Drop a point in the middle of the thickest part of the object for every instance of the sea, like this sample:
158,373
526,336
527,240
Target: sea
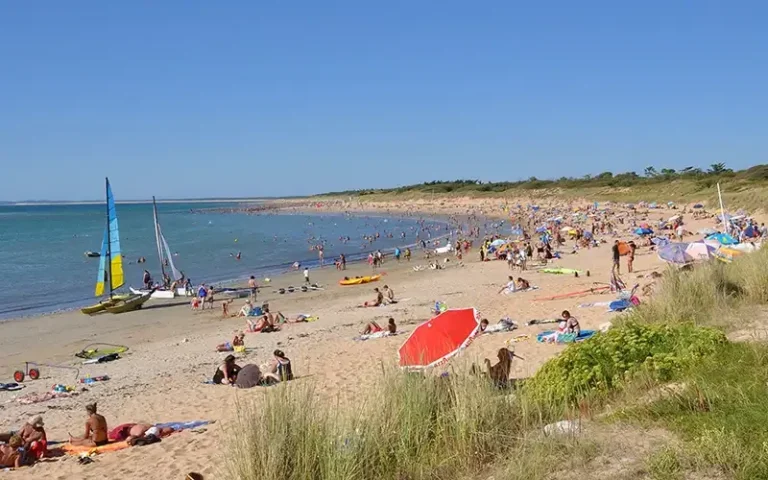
44,269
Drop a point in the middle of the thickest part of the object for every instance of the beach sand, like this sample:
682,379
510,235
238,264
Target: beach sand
172,350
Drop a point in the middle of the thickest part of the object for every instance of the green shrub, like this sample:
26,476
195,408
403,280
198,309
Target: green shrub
608,360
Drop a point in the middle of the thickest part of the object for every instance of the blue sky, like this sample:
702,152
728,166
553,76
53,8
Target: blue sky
200,99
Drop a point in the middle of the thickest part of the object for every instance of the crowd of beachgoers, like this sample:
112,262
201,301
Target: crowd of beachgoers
537,277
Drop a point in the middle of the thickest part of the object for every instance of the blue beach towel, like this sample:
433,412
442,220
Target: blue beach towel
179,426
566,337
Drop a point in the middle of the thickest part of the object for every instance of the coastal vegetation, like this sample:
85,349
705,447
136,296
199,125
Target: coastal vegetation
684,363
652,184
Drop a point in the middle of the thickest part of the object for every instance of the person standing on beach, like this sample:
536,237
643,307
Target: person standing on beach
616,258
320,255
306,275
631,256
253,286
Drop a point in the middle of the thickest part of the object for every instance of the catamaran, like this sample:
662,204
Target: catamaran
110,276
166,259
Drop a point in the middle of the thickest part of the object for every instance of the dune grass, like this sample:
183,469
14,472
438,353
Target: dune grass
426,427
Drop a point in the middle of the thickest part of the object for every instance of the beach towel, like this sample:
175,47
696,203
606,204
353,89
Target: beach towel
32,398
595,304
75,450
559,271
544,337
507,291
179,426
10,387
375,335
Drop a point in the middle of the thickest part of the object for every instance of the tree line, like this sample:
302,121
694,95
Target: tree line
705,178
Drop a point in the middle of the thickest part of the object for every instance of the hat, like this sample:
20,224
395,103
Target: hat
36,421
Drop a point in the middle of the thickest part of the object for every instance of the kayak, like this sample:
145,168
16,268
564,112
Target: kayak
360,280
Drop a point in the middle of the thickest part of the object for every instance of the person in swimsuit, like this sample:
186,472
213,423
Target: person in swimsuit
33,437
571,323
374,327
10,457
227,373
95,430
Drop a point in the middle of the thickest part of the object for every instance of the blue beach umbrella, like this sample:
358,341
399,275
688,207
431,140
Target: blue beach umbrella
723,239
675,253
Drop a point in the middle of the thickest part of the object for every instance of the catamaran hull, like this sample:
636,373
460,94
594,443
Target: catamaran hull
102,306
133,303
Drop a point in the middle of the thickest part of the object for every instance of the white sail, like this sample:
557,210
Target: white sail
163,252
174,273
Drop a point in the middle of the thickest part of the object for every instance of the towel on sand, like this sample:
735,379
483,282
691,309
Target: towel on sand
381,334
550,337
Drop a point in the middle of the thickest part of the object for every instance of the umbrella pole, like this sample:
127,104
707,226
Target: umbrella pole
722,211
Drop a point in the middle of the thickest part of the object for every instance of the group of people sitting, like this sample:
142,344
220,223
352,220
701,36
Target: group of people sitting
515,285
277,370
25,446
386,297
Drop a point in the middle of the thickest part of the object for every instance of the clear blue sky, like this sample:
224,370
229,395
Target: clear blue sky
199,99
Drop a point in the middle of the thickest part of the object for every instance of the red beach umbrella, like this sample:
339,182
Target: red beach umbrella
437,340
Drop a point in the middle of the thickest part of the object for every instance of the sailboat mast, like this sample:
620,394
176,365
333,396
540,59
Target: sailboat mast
107,276
157,238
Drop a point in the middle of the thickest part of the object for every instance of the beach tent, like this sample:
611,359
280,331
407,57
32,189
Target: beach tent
722,238
751,232
643,231
437,340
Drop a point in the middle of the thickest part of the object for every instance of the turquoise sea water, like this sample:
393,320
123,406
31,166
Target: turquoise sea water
43,267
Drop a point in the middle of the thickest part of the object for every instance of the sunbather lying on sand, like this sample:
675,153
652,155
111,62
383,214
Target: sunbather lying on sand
504,325
374,327
237,341
95,430
143,430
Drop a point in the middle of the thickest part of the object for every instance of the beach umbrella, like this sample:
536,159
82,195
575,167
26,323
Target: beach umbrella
437,340
700,251
675,253
498,242
727,254
722,238
660,241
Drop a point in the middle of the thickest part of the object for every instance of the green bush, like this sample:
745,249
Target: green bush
608,360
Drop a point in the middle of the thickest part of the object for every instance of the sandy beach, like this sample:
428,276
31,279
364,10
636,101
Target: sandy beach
160,379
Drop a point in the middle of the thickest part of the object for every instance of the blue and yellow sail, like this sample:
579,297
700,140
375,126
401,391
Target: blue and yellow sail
110,251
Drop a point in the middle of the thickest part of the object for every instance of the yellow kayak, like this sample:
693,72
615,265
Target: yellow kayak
359,280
